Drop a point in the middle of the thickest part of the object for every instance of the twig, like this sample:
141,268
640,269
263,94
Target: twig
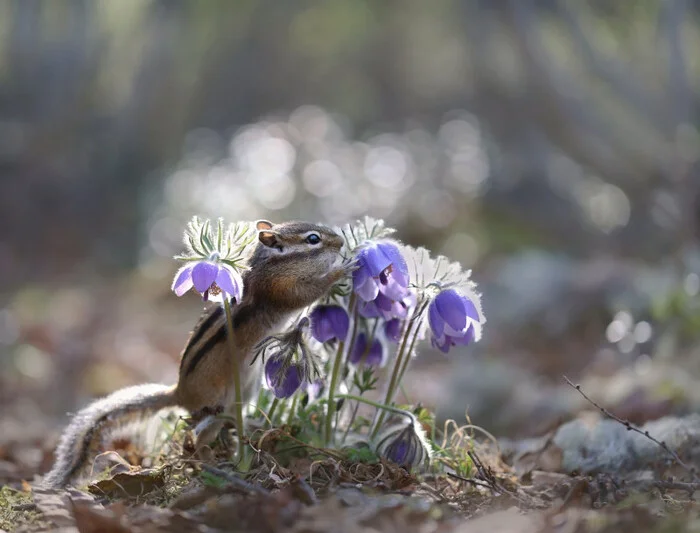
631,427
475,482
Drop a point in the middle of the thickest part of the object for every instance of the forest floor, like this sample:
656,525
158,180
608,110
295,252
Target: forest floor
575,470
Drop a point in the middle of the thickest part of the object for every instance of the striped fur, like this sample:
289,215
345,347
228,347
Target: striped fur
286,273
82,439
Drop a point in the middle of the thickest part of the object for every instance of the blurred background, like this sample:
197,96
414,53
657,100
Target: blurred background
551,146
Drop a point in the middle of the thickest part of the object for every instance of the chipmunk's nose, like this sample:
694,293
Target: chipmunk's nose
337,241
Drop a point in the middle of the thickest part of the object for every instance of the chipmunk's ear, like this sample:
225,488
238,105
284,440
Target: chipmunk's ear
269,239
261,225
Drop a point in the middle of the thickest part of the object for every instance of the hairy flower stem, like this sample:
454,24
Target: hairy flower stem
380,406
292,409
352,421
393,382
356,407
410,351
271,411
236,382
337,364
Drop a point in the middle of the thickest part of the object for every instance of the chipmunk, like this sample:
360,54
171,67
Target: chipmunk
293,265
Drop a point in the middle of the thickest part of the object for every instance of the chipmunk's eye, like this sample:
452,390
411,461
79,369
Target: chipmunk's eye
313,238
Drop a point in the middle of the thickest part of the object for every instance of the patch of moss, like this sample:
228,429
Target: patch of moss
16,509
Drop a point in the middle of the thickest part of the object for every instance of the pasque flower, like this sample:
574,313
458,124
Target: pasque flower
211,278
283,378
381,269
366,353
453,319
404,444
329,322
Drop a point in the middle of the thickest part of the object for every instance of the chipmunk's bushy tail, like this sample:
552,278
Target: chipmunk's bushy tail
82,438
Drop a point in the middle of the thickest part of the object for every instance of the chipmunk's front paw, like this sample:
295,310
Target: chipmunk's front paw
348,266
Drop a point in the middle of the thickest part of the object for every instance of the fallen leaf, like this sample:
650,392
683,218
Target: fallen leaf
130,484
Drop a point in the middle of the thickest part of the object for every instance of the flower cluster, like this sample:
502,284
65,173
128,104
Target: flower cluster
375,319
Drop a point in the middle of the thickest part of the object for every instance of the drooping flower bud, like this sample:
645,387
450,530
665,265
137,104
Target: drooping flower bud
283,378
404,444
453,320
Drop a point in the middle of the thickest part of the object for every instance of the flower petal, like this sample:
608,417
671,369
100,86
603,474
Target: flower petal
437,324
365,354
339,320
471,310
394,288
183,280
375,356
369,310
392,329
464,339
203,275
358,350
443,344
400,268
450,305
360,275
373,259
283,383
229,281
329,322
368,290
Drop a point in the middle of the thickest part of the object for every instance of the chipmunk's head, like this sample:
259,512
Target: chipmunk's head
312,246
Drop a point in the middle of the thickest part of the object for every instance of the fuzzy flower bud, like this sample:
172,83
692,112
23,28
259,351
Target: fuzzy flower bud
282,378
404,445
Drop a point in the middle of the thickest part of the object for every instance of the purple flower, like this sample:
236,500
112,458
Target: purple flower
453,320
329,322
380,269
365,354
209,278
403,445
392,329
283,379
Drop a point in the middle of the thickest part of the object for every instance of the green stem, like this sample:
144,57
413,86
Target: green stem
337,364
292,409
352,421
408,359
236,381
271,412
331,389
394,378
378,405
